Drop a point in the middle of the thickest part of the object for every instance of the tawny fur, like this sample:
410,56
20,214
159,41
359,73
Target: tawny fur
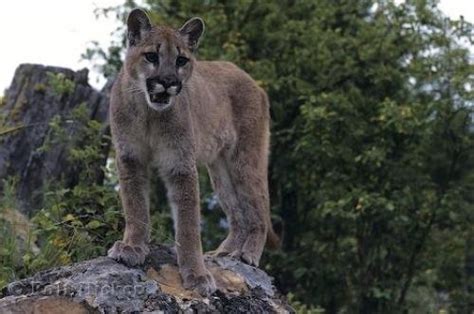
219,119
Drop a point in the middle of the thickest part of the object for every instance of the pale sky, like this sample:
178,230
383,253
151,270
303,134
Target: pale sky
51,32
57,32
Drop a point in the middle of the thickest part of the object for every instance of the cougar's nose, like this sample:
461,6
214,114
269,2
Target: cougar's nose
171,85
168,82
153,85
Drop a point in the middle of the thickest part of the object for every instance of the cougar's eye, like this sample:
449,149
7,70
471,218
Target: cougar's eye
151,57
181,61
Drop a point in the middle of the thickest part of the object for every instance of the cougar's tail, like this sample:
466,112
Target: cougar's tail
274,239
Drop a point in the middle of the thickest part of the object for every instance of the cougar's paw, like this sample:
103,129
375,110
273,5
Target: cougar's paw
247,257
249,252
252,250
130,255
203,284
228,246
217,253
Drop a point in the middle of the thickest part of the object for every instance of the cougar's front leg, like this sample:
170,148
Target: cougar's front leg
183,194
133,179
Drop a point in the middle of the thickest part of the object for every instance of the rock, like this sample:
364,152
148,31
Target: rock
36,95
103,285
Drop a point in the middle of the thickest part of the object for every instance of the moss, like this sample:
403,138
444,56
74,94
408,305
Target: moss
60,84
2,114
18,109
40,88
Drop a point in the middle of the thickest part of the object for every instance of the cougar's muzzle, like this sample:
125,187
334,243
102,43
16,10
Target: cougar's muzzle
160,91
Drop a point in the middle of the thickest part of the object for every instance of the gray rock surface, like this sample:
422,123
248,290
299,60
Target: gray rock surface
102,285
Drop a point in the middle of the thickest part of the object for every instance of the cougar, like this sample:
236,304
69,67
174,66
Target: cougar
172,112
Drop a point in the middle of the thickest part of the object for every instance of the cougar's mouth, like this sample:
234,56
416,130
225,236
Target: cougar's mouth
160,97
159,101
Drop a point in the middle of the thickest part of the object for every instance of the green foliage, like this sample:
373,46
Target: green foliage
8,253
40,88
60,84
8,193
301,308
7,238
14,236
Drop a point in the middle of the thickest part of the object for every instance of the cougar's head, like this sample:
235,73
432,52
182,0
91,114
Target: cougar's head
160,60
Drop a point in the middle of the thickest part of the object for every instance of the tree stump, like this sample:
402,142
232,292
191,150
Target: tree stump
103,285
37,95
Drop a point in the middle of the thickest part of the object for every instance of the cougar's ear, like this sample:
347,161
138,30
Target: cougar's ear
191,31
138,24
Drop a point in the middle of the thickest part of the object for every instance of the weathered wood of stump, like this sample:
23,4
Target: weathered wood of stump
37,94
104,286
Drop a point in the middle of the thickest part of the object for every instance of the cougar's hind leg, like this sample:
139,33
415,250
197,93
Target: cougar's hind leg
240,181
251,189
223,187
